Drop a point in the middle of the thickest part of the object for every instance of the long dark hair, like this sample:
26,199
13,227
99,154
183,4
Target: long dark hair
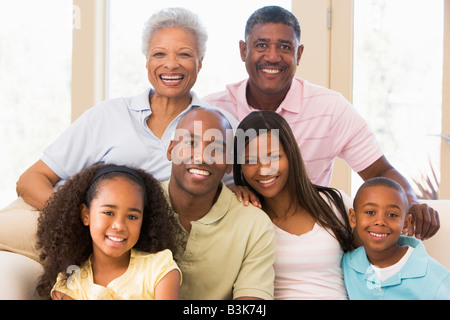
300,187
65,241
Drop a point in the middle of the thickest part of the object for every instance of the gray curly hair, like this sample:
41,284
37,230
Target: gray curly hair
175,17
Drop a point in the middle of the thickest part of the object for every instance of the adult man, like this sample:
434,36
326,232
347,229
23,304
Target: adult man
227,248
324,123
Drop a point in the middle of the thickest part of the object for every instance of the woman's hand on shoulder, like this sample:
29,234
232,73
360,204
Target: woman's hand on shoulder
245,195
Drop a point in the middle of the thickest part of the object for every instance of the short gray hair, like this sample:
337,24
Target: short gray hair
175,17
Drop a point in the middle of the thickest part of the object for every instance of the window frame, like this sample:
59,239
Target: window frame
327,61
89,57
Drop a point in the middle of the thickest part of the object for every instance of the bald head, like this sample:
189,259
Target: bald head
210,119
199,153
206,132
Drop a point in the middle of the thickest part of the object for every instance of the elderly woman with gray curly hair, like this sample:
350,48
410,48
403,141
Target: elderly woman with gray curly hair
134,131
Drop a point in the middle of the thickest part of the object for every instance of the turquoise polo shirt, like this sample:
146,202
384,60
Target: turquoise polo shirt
421,278
115,131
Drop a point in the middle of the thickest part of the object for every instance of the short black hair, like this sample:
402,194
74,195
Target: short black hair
272,14
381,182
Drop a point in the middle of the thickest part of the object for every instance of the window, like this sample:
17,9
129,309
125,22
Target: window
398,63
35,78
224,20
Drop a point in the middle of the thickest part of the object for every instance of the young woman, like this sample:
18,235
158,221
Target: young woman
311,223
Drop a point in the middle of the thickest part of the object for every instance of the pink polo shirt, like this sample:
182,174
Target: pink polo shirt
324,124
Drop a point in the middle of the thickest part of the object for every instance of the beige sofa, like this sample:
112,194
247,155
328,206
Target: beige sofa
439,246
19,274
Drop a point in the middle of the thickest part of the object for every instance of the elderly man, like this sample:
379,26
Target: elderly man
324,123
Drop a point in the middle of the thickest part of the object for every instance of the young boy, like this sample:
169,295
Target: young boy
389,266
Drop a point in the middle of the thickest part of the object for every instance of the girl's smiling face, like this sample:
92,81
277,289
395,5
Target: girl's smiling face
266,167
115,217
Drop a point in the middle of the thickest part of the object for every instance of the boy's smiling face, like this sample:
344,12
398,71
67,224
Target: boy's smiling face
379,218
199,159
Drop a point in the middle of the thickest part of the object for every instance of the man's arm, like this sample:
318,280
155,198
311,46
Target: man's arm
425,218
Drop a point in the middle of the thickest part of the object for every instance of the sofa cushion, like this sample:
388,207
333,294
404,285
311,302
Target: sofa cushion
18,277
438,245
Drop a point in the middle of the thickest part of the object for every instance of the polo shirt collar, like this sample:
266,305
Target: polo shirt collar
294,98
141,102
418,261
220,207
416,265
291,103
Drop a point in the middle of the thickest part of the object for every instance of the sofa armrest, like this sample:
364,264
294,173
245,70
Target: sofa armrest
18,277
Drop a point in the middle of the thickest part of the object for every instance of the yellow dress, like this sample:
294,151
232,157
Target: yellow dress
137,283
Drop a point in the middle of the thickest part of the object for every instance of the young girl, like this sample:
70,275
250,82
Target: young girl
311,224
108,233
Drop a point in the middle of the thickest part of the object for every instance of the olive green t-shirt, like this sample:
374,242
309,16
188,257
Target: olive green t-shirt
229,253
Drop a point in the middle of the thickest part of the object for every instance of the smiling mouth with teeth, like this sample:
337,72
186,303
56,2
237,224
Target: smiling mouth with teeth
172,79
379,235
271,71
115,239
199,172
268,180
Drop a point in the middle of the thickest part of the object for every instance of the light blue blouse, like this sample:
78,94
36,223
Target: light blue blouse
115,131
